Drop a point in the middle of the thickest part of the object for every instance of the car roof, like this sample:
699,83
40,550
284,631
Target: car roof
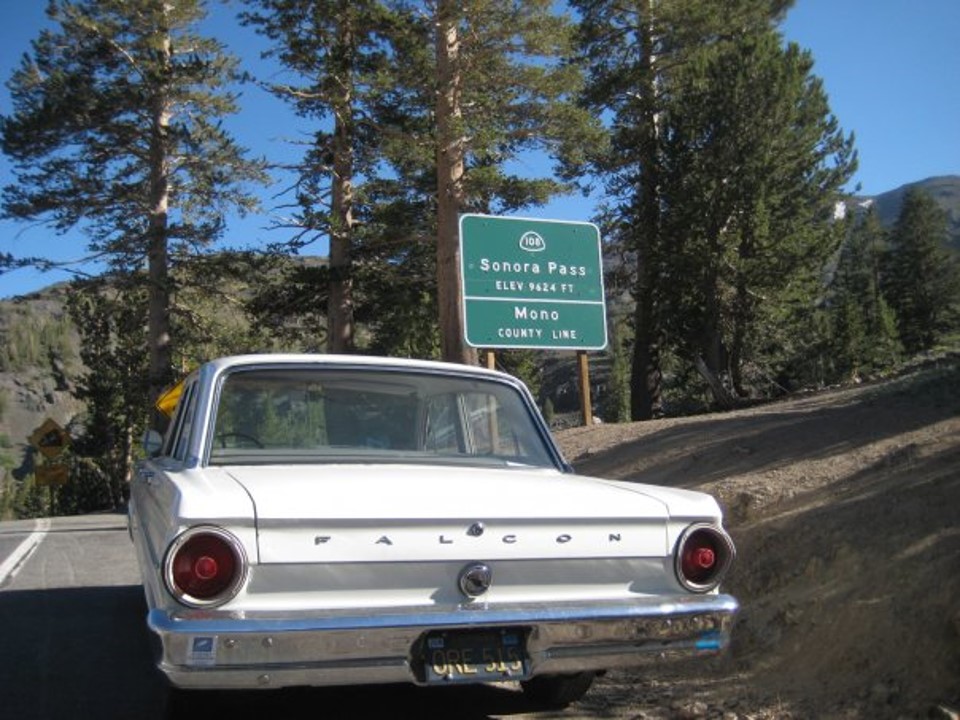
320,360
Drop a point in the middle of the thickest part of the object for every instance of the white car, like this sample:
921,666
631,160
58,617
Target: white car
323,520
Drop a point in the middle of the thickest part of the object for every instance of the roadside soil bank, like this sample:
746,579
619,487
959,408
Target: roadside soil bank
845,508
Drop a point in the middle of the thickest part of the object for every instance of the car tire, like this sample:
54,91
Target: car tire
557,691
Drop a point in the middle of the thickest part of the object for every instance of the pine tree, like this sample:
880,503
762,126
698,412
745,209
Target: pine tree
109,317
616,406
754,163
922,280
864,329
335,50
116,129
479,84
635,52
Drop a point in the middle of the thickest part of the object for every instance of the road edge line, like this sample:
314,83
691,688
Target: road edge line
11,566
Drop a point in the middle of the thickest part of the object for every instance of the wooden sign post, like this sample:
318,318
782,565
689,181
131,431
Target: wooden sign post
583,371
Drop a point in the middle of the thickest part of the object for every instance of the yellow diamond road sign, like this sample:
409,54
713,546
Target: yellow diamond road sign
50,439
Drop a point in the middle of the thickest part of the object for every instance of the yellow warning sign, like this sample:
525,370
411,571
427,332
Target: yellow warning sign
47,475
50,439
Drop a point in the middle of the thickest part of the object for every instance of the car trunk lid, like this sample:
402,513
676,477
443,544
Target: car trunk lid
397,513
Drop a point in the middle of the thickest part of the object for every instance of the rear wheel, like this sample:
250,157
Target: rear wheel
557,691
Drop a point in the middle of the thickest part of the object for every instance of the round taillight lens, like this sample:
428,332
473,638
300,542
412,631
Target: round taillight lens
205,566
704,554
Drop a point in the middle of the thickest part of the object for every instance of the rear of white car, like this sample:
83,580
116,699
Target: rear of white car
430,552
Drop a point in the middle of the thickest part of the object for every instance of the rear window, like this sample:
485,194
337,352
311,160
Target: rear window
358,415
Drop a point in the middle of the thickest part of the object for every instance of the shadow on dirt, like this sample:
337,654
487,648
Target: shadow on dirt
705,449
853,595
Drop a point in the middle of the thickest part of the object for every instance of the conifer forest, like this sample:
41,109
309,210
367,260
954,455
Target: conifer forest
736,267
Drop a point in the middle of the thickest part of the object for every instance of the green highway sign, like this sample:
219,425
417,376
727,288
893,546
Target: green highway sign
532,283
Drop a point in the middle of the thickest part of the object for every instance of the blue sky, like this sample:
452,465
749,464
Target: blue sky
889,66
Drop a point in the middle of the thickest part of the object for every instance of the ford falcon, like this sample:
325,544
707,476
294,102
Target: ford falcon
325,520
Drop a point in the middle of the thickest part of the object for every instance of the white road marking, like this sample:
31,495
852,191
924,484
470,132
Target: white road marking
11,566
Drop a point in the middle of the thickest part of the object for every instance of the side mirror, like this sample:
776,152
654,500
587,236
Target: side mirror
152,442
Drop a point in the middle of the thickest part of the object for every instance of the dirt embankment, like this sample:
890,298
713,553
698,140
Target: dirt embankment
845,507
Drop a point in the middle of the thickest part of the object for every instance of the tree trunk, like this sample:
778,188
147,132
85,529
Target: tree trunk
340,322
720,394
710,362
126,469
158,320
645,383
743,310
645,380
450,196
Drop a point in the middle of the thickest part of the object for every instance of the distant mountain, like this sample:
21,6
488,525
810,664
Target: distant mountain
39,367
944,190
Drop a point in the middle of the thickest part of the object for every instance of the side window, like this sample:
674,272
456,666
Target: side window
487,427
442,433
472,423
184,422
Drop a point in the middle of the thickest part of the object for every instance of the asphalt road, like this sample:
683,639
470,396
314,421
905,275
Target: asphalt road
72,637
74,645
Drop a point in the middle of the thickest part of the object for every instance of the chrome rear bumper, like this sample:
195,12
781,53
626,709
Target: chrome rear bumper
222,649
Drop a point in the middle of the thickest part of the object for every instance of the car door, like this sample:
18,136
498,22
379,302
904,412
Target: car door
154,491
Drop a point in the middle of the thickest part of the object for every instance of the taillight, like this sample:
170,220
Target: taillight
704,554
205,566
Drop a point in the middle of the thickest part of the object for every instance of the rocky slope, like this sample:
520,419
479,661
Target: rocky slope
39,365
843,505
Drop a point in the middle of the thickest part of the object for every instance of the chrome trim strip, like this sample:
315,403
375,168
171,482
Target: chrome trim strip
466,615
273,650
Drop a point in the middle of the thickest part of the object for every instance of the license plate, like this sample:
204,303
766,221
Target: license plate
475,656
